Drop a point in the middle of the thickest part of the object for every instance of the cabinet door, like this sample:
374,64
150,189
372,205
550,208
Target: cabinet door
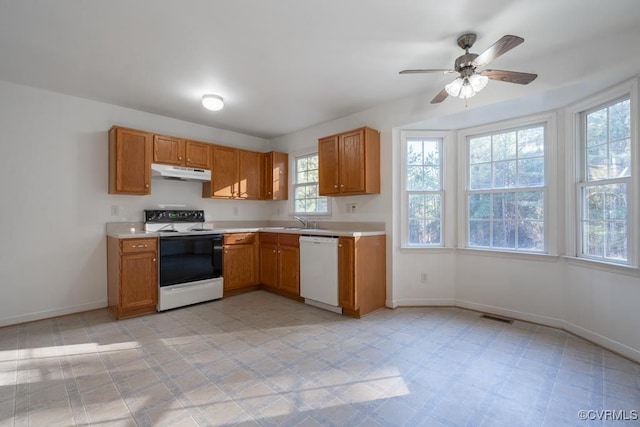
346,262
352,162
138,281
250,164
129,161
269,264
224,172
168,150
289,269
328,165
198,154
239,266
276,176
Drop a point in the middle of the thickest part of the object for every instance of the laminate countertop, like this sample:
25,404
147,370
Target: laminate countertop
136,231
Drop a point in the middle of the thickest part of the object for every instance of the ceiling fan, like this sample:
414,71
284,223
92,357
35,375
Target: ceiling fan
469,82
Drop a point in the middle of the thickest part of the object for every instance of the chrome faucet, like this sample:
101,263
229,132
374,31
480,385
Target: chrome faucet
303,221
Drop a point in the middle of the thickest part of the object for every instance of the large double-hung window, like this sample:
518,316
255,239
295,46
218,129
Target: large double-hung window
605,182
506,189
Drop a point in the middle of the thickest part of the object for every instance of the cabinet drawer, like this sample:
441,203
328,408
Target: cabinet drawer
269,238
138,245
289,239
239,238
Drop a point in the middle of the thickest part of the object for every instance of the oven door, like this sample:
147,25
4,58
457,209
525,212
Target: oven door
186,259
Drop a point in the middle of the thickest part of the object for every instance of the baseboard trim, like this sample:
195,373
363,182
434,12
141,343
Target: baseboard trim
423,302
62,311
593,337
513,314
602,341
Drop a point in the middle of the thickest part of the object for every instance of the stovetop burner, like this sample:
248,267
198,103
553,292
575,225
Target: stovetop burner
174,221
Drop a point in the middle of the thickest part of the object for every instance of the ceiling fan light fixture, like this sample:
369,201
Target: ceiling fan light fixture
466,91
212,102
453,88
478,82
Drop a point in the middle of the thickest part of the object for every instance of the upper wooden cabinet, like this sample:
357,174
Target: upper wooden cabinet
224,173
235,174
130,153
276,176
250,167
349,163
181,152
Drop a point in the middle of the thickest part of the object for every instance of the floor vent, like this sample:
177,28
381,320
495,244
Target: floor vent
496,318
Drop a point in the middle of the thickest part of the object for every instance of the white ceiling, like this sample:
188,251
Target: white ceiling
284,65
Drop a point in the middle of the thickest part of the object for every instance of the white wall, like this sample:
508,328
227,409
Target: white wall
53,185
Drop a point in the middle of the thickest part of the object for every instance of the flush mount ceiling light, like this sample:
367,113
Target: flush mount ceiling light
212,102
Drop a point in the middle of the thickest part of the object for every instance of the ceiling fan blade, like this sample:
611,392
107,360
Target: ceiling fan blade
440,97
504,45
441,71
510,76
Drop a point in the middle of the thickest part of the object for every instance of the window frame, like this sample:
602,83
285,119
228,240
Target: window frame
442,137
576,176
294,185
549,122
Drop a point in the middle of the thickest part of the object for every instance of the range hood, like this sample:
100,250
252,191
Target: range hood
181,173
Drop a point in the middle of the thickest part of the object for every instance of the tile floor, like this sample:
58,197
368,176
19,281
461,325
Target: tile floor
260,359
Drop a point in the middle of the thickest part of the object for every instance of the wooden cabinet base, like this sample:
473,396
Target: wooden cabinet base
283,293
356,313
132,276
238,291
131,312
362,270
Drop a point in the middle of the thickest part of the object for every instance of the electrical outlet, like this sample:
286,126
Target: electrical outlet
424,277
115,210
351,207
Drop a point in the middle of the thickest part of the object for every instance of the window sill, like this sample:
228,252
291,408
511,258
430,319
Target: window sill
626,270
528,256
427,249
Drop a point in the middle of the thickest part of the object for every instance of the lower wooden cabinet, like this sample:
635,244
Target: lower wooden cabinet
362,270
132,276
280,263
240,261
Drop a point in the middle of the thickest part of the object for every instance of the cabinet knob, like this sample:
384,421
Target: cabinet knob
274,251
226,252
335,186
179,157
146,186
154,260
342,186
188,160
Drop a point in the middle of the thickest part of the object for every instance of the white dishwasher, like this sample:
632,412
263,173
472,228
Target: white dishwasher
319,271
